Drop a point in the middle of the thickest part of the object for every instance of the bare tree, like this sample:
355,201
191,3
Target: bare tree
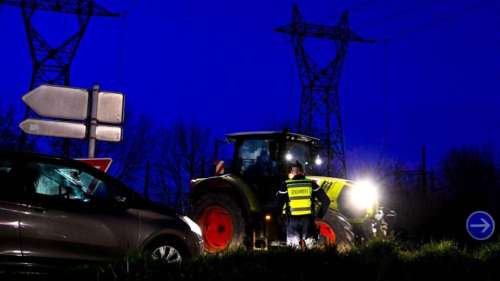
470,176
9,132
132,154
185,150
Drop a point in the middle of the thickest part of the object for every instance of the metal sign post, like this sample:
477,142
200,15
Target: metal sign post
93,120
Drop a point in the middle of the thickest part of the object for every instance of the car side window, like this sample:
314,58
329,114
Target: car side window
64,182
8,184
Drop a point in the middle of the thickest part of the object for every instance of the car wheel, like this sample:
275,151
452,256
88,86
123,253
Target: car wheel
166,253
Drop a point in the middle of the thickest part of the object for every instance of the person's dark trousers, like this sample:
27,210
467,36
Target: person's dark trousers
300,228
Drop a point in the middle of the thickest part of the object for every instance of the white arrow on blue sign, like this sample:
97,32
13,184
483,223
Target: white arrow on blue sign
480,225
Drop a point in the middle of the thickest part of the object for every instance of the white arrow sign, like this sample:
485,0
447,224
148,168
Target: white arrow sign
53,128
58,102
485,225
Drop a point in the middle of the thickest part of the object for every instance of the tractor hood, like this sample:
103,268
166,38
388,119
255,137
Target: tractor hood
358,200
332,187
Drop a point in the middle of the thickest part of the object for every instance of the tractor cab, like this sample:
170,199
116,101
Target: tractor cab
262,158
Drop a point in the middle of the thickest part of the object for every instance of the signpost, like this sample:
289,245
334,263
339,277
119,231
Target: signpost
98,115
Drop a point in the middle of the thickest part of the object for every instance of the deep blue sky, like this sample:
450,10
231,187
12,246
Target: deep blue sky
436,80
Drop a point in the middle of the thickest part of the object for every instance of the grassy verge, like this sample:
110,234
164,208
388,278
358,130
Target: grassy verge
378,260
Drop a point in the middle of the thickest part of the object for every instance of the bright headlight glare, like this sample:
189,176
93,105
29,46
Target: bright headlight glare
288,157
364,194
318,161
192,225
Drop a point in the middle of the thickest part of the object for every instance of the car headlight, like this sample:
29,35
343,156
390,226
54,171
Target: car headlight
192,225
363,194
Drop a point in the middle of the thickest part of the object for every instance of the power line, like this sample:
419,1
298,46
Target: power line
477,5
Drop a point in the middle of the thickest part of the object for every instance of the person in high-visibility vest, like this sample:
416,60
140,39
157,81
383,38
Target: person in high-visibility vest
299,194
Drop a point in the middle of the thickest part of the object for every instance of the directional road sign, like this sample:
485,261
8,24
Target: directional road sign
480,225
108,133
58,102
53,128
110,108
99,111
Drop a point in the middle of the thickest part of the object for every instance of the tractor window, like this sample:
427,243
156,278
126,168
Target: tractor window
255,158
303,153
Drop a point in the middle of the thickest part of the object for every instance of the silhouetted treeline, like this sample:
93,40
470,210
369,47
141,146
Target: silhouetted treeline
435,204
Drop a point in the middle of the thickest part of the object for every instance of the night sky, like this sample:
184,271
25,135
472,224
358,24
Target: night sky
432,78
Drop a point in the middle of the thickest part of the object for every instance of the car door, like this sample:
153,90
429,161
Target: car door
9,211
72,216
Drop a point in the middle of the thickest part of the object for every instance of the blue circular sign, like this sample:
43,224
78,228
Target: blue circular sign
480,225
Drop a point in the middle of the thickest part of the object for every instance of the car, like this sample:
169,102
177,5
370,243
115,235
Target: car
55,209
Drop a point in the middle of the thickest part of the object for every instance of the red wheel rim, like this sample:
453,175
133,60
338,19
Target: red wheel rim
327,232
217,227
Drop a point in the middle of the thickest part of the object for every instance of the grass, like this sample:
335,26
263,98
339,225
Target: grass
377,260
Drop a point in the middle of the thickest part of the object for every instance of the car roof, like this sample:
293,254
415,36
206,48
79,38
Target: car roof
24,155
27,156
270,134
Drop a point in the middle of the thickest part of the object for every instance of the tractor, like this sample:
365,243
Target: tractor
233,209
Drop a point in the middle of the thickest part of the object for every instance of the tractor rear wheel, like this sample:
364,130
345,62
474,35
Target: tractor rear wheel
221,221
335,231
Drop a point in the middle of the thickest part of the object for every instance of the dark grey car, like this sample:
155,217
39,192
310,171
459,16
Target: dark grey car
59,209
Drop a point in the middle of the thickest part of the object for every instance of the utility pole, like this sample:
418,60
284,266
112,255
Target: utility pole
320,113
52,64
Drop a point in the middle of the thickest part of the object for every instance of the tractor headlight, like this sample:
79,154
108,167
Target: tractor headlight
192,225
363,195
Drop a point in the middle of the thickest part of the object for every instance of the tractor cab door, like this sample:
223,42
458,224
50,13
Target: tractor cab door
257,162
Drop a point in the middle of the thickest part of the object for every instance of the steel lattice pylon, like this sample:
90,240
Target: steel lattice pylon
320,113
52,64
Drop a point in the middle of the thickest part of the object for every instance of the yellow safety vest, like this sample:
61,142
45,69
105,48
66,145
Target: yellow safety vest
300,196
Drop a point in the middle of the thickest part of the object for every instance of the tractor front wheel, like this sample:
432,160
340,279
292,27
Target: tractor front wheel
372,229
221,222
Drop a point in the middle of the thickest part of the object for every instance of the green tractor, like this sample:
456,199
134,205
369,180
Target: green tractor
233,209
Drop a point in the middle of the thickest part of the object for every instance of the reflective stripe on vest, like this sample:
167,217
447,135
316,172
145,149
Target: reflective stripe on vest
300,197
